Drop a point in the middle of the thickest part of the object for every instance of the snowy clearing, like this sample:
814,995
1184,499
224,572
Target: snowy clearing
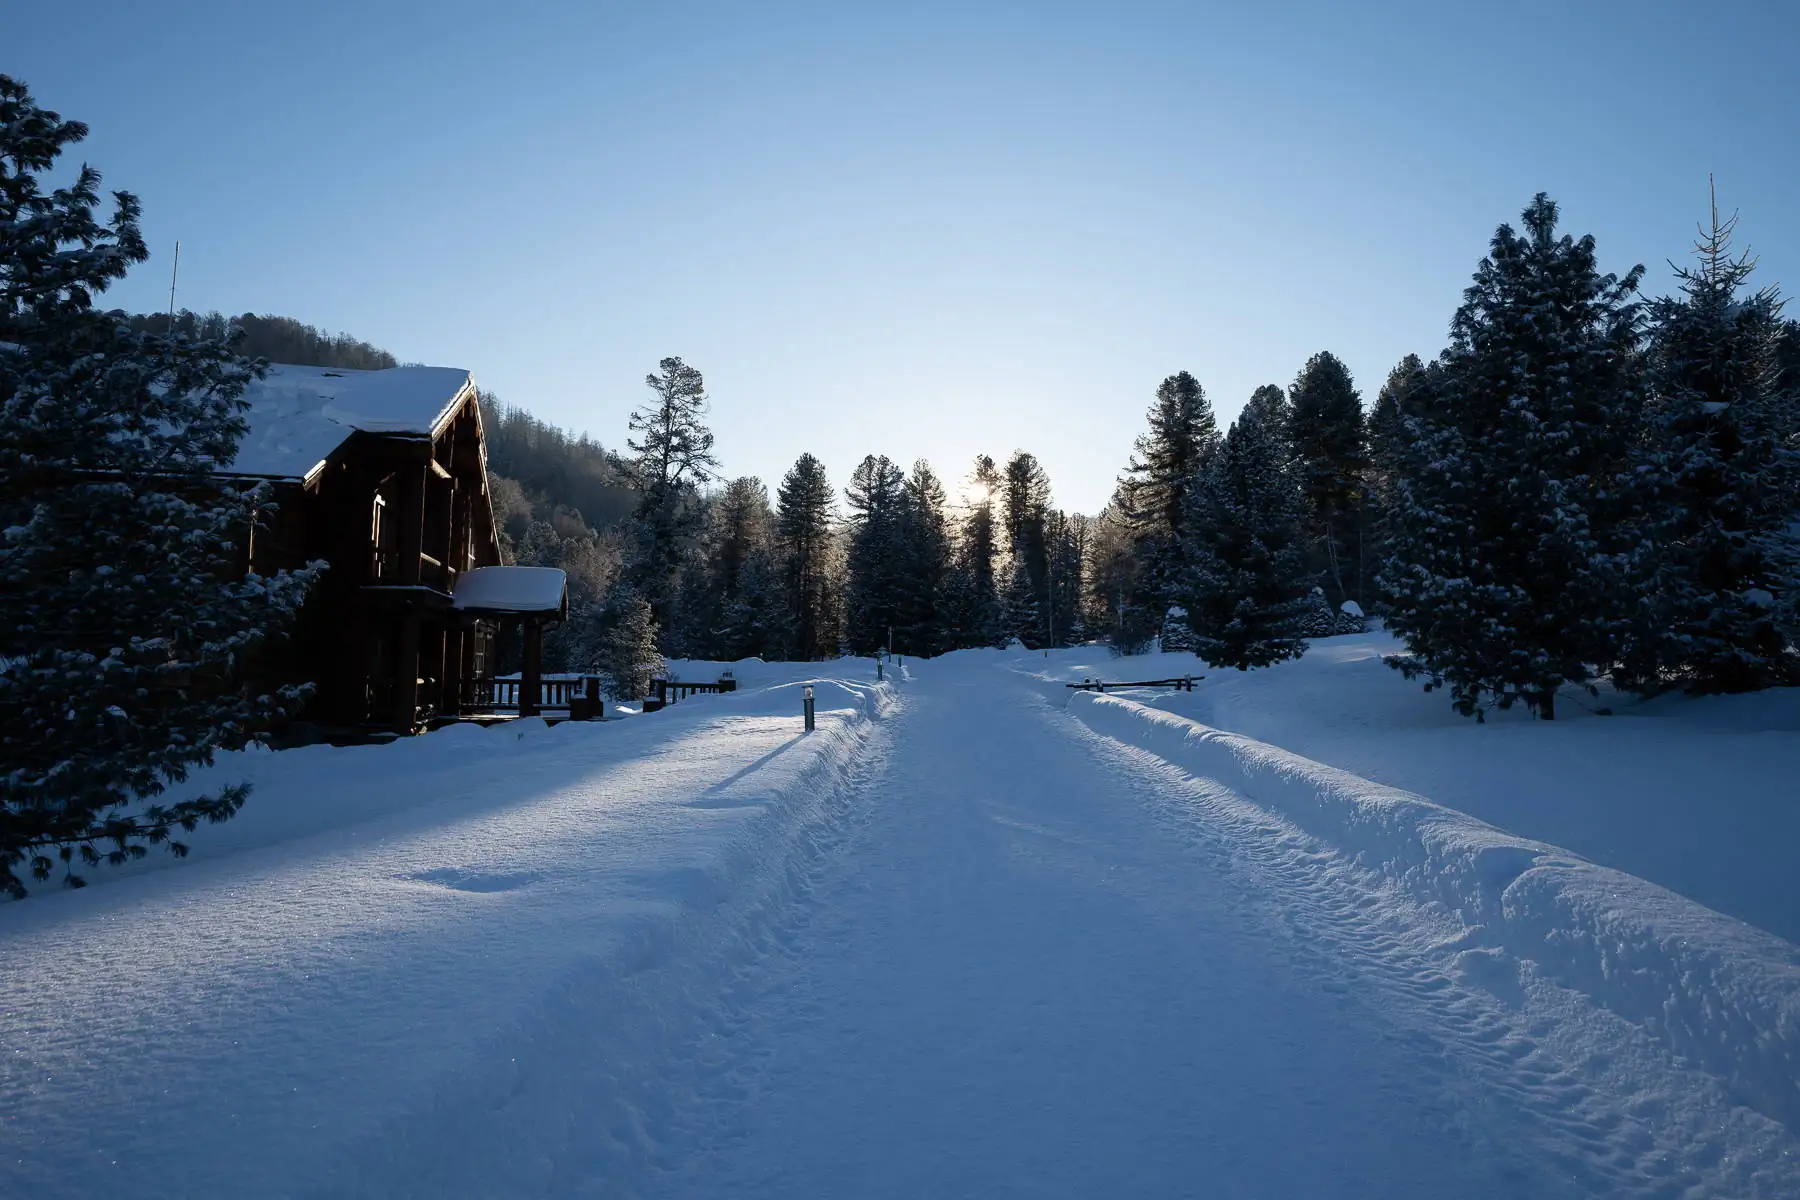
974,937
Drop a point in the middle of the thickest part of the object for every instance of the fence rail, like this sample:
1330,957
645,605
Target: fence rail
1184,684
579,697
668,691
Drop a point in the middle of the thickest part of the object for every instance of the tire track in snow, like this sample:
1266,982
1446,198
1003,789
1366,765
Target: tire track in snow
1606,1104
915,935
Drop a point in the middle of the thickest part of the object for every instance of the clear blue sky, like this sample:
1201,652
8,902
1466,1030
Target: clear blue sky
910,229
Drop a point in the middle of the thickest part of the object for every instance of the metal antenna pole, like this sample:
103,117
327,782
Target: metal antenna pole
174,272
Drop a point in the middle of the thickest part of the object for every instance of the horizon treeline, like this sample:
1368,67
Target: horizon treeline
1585,484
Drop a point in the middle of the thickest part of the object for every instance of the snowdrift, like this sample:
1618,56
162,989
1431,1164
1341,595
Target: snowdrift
1717,992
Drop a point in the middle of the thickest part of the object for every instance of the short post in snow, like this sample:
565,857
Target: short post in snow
878,674
806,704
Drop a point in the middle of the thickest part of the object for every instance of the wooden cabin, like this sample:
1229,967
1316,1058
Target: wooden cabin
383,476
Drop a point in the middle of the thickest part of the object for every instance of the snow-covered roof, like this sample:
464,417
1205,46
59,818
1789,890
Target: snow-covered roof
298,415
511,590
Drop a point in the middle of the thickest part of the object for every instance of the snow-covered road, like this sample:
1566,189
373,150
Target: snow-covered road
1014,981
1048,965
958,944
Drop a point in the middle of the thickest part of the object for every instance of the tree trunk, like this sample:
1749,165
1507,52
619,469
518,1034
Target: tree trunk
1546,704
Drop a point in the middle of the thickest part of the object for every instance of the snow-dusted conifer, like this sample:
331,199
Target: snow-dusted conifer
731,577
1513,562
1025,515
1161,474
922,627
126,622
875,558
1387,438
673,458
1021,616
1723,486
973,588
1246,591
624,650
1326,430
1320,620
806,595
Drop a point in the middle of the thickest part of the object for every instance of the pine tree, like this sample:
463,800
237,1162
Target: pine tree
1111,571
624,650
1162,472
1387,439
875,560
738,571
974,593
1326,428
126,623
1025,514
1723,486
1068,536
924,537
1021,617
1513,566
806,604
673,449
1245,593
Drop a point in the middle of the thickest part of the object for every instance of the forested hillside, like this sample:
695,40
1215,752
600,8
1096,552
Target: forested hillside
278,339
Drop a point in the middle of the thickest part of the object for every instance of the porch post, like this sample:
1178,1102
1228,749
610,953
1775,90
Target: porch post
532,670
451,702
406,674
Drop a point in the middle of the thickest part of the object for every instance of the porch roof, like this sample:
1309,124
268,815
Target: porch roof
512,590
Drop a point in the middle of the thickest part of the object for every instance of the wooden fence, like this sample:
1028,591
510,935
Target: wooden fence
1183,684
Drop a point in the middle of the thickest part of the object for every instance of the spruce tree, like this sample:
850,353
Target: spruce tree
923,615
1514,563
1068,535
738,571
1111,569
1025,514
875,559
126,622
1723,487
974,587
806,606
673,449
1326,429
1163,470
1387,439
1246,589
624,652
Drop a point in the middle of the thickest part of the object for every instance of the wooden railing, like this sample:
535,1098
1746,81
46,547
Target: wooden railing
667,691
501,696
1184,684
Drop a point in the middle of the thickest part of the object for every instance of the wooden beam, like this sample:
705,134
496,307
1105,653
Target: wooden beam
532,674
454,689
406,675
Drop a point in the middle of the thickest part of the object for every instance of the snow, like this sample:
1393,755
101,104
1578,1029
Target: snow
978,935
511,589
1695,794
299,415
